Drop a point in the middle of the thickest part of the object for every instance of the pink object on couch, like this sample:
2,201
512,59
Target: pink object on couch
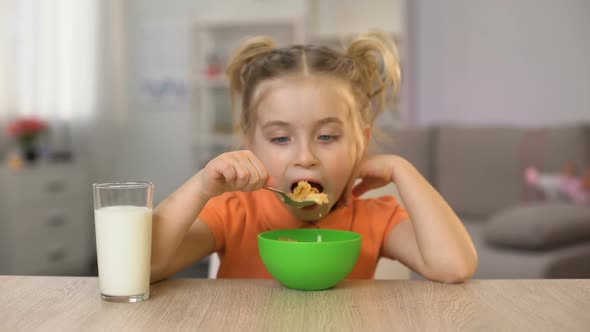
557,186
573,188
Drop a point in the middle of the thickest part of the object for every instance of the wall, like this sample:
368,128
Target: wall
520,62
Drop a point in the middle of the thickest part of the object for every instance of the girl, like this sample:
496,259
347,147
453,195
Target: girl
306,113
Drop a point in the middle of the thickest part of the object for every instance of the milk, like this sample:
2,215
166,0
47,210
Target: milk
123,245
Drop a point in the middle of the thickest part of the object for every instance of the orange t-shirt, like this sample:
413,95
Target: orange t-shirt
237,218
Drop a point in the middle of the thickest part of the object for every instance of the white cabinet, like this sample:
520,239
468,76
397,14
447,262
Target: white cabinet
46,221
215,40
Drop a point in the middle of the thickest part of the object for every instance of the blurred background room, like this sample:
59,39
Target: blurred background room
494,110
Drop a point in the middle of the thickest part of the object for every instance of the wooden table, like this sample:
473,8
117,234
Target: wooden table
73,304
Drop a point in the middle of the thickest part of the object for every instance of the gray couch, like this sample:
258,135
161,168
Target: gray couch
479,171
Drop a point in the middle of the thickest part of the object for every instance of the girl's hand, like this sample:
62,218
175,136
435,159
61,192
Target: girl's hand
375,172
232,171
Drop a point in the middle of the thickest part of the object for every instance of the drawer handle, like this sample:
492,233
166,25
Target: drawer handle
56,255
55,186
56,221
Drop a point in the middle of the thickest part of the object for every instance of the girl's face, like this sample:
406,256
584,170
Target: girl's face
303,131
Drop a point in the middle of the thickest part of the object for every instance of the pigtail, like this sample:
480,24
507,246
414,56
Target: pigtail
376,71
237,73
251,50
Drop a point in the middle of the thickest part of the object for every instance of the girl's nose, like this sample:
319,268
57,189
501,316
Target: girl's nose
305,157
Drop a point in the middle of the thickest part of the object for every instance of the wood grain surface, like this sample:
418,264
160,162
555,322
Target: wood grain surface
73,304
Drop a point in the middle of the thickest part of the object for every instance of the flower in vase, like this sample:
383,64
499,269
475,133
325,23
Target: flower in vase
26,131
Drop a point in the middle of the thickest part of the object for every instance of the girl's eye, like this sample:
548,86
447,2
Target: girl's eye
282,139
326,138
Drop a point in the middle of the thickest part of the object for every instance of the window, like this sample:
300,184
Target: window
49,67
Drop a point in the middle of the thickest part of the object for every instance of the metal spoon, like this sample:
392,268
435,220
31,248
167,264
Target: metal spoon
290,201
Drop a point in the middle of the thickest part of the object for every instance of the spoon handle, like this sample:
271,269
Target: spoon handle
273,189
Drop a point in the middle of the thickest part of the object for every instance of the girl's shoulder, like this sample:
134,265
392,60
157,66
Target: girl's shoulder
377,208
381,201
380,214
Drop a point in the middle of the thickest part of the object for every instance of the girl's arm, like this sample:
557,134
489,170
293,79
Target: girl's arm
179,239
434,242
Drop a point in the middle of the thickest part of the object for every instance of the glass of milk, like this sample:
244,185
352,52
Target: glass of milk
123,223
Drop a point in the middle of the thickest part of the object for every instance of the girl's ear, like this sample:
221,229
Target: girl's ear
246,141
367,135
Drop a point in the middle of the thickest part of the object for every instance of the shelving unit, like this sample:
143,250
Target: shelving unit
215,41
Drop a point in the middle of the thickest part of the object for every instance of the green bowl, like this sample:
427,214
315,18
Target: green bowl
308,264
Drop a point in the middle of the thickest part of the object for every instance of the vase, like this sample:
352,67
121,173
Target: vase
29,152
31,155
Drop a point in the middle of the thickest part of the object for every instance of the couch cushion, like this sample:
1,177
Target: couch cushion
414,144
479,169
539,226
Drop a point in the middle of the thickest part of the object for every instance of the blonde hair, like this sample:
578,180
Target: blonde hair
369,64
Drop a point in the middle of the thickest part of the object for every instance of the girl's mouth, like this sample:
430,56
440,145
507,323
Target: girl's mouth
308,190
313,184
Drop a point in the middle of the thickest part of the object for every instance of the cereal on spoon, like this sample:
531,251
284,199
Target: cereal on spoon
305,192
